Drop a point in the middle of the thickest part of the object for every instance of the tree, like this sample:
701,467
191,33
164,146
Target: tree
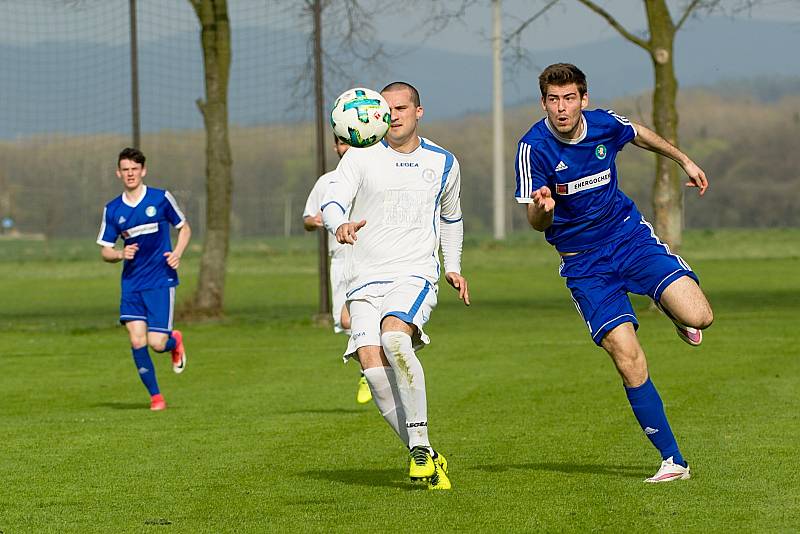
668,185
216,41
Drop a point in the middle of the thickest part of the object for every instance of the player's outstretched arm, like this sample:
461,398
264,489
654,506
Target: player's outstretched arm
459,283
540,211
184,235
346,232
650,140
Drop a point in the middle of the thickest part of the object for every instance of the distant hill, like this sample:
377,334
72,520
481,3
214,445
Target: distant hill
80,87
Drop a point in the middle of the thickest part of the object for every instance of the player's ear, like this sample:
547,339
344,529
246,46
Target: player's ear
585,100
544,106
420,112
144,172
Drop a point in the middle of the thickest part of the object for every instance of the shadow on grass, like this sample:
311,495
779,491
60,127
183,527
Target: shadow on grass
386,478
629,471
322,411
121,405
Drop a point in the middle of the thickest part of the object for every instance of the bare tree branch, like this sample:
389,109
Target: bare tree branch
515,34
615,24
688,11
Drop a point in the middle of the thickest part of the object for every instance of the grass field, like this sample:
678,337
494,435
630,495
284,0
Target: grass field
263,434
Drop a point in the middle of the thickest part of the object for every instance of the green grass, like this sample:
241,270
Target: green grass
263,433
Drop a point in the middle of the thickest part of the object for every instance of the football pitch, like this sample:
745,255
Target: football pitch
263,434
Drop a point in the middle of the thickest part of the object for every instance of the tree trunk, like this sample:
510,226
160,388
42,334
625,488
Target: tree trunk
667,190
215,37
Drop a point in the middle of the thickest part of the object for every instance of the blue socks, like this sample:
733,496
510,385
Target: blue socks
169,345
649,411
147,372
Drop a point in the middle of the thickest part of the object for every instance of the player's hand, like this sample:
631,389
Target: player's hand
697,178
130,251
173,260
460,285
316,220
543,199
346,233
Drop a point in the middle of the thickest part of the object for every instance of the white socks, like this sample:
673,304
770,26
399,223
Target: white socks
384,393
410,379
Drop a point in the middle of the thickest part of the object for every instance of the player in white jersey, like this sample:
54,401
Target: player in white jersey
312,220
403,197
142,216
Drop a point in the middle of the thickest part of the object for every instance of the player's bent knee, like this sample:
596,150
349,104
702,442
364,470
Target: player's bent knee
157,342
395,342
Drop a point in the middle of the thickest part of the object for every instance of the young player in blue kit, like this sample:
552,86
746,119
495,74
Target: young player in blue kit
142,216
567,176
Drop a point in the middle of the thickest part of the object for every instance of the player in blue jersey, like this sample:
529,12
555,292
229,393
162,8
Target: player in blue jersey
142,216
567,177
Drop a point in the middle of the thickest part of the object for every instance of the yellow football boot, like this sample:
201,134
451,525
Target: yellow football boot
439,480
364,395
421,466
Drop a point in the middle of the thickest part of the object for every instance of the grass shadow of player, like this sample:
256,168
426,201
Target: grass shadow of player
630,471
387,478
122,405
323,411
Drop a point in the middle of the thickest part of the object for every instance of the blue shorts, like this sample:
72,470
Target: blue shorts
154,306
601,278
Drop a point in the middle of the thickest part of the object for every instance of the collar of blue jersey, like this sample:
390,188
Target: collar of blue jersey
138,200
575,141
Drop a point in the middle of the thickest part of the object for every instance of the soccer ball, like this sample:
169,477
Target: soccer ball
360,117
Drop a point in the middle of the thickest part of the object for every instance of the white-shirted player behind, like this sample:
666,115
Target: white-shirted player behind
312,220
403,195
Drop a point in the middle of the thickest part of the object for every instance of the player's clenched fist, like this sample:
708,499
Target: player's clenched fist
130,251
346,233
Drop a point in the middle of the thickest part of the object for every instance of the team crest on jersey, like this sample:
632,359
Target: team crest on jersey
429,175
151,210
121,220
600,152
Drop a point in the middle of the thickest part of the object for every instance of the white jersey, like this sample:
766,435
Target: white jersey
314,206
404,198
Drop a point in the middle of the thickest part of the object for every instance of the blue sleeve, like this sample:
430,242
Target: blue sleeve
621,128
528,171
108,230
171,210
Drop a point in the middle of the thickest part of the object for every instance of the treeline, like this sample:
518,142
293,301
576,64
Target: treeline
57,185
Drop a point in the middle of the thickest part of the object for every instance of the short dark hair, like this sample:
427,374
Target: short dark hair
560,74
395,86
132,154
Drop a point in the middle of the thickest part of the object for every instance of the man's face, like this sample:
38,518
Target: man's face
563,105
340,147
131,173
405,116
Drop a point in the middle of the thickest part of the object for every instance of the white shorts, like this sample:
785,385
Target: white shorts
411,299
339,290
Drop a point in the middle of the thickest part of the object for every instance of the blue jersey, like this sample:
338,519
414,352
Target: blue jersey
146,223
581,173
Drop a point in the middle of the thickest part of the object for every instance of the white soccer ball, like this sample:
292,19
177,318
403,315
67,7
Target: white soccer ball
360,117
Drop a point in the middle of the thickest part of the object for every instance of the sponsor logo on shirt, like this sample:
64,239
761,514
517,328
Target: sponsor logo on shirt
429,175
121,220
561,166
406,164
601,152
151,210
142,229
582,184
